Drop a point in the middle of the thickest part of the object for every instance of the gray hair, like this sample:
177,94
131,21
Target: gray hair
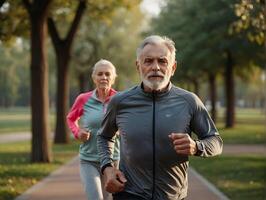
104,62
156,39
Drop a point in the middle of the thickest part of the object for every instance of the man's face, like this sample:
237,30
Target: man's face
155,67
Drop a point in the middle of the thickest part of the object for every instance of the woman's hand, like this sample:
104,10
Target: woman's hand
83,135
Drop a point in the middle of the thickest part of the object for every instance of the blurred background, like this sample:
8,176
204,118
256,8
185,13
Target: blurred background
48,49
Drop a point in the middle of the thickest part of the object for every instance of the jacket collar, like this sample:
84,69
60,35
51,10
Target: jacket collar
156,93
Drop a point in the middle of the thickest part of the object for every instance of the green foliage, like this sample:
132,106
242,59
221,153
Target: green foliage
63,11
102,39
12,73
251,20
239,177
201,34
17,174
13,21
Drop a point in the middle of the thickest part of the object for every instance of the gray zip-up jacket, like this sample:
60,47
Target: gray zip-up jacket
148,160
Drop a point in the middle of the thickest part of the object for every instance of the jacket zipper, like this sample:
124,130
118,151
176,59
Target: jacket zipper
153,146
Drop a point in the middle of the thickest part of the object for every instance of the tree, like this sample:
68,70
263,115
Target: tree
203,35
38,12
96,11
251,20
109,40
62,50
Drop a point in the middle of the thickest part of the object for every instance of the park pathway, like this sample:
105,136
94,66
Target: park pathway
64,183
14,137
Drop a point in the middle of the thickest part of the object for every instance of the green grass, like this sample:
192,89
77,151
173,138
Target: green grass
240,178
250,127
18,174
244,134
18,119
245,115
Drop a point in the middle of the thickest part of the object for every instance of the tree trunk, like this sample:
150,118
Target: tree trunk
40,151
61,131
229,91
213,96
62,49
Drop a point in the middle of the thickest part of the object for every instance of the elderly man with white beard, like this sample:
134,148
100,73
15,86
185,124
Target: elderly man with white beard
155,120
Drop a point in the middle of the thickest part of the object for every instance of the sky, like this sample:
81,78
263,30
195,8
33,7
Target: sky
151,6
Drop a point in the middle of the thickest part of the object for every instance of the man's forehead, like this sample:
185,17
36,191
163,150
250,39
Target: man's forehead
155,50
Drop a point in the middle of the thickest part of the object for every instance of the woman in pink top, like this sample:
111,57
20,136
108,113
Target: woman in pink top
84,120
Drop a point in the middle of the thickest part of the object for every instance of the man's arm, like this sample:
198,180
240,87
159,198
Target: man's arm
115,180
106,135
209,142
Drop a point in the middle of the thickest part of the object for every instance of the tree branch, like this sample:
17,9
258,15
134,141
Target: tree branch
53,32
74,26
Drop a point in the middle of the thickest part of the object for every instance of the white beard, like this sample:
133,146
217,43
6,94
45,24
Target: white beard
155,84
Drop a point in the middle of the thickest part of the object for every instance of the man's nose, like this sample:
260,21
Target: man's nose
155,66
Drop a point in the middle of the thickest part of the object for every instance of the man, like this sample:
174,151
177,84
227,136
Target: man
155,121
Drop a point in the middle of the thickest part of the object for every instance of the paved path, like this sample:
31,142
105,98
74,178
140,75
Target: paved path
64,183
14,137
236,149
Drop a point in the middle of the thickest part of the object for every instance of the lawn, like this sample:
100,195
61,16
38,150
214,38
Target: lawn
18,120
239,177
250,127
18,174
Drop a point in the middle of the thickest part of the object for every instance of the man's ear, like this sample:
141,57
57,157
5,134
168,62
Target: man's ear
137,65
174,68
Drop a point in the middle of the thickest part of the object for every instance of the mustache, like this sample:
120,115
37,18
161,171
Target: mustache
155,74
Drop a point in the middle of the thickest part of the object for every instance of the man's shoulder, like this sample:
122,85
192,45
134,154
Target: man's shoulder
187,95
183,92
119,96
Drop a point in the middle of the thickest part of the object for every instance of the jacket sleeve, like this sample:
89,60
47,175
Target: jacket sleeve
203,126
106,134
74,114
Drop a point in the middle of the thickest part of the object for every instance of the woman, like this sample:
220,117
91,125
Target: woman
88,110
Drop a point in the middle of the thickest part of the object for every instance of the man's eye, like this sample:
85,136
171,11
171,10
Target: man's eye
162,61
148,61
107,74
100,74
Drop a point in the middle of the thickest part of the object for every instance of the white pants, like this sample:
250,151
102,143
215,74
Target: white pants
93,181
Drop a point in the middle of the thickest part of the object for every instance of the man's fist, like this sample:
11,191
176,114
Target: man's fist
183,143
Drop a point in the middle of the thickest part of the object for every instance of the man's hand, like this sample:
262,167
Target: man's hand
115,180
183,143
83,135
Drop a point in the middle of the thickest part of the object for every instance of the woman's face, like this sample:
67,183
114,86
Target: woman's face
103,77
